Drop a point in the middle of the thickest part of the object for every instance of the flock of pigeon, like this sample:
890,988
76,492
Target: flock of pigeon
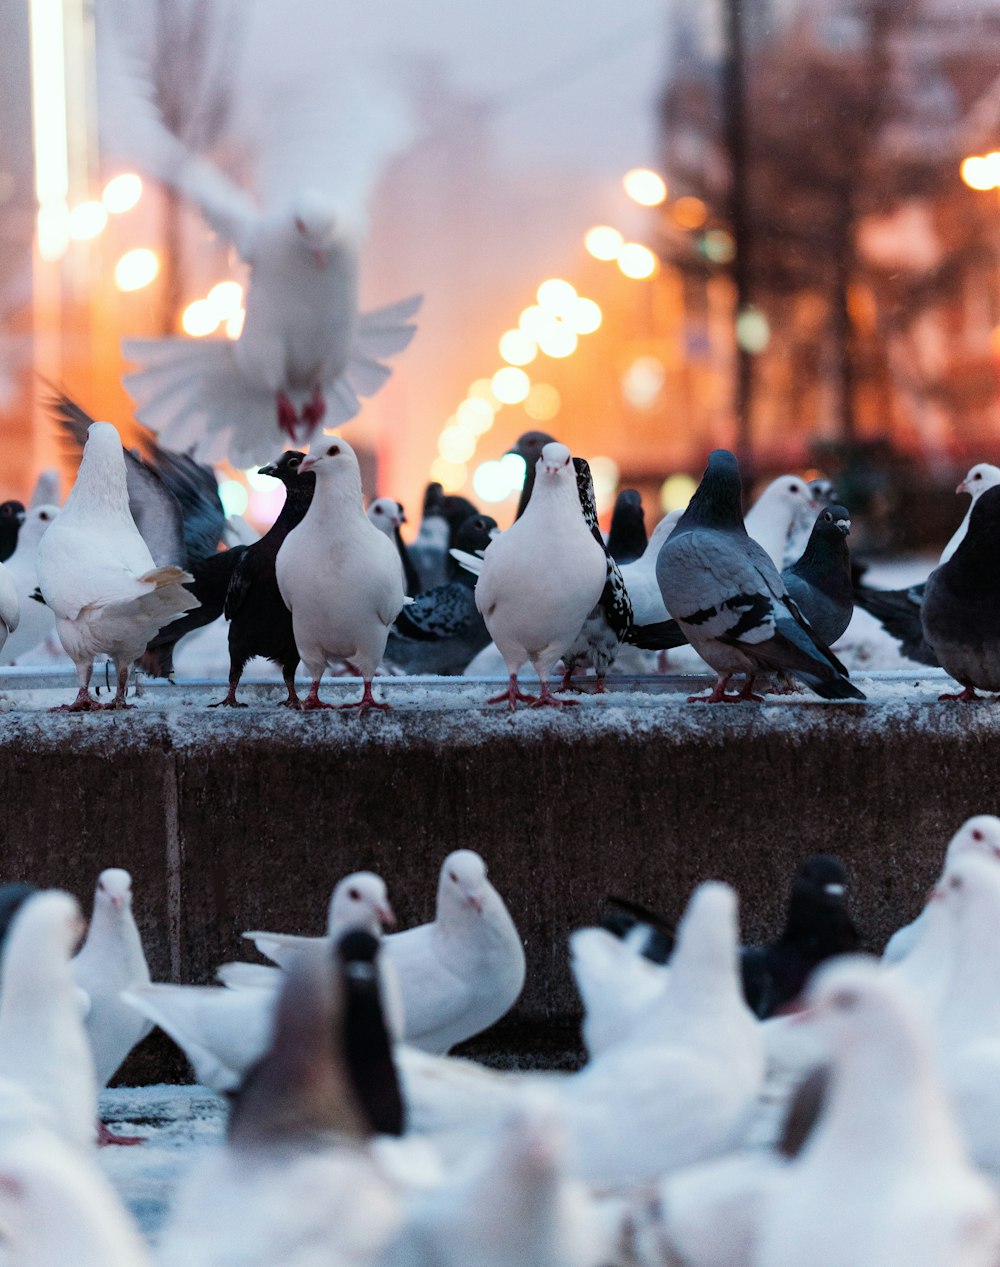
766,1106
131,564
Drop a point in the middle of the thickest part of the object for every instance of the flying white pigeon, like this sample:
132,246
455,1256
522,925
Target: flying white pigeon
772,516
57,1207
339,577
305,354
36,619
884,1177
43,1046
96,572
541,578
109,961
465,970
980,477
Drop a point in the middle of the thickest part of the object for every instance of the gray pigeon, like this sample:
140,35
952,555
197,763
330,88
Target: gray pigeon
960,613
820,581
442,629
729,600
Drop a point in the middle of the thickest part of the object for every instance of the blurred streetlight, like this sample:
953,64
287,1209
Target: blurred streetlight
646,187
121,193
981,171
603,242
136,269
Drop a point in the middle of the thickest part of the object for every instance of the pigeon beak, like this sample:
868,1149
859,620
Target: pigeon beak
963,487
476,902
20,516
307,464
494,532
835,890
118,901
801,1018
402,519
270,469
845,526
386,917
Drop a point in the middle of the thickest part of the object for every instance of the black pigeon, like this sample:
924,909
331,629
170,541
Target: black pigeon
649,934
820,582
259,622
302,1092
818,926
443,515
960,613
411,577
212,577
11,518
442,629
731,603
529,446
627,537
607,626
898,612
12,898
367,1047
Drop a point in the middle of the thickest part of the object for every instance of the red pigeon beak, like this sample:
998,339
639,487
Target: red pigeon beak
118,902
386,917
477,904
962,488
307,464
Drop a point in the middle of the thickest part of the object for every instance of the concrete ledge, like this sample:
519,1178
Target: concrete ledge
239,820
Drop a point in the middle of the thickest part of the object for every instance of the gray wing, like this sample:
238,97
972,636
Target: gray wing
711,583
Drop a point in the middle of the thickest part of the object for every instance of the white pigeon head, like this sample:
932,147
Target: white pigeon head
35,524
979,478
708,932
556,462
360,900
101,483
970,887
322,224
386,514
851,999
114,890
331,457
463,881
46,929
980,834
791,492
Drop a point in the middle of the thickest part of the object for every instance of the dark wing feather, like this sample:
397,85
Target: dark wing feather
197,491
443,612
239,585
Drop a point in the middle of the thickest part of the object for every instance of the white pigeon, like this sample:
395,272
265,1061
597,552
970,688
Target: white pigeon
640,576
10,606
386,514
980,834
770,519
46,490
461,973
508,1206
980,477
36,619
968,1019
109,961
305,354
681,1087
883,1179
615,983
43,1046
57,1207
96,572
223,1032
339,577
541,578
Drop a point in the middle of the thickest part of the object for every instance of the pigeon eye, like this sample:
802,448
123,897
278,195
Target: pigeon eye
354,895
332,451
378,510
977,834
978,475
453,877
293,462
793,488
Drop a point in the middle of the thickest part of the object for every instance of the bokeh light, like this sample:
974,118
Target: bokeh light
491,481
556,296
475,414
234,324
517,347
121,193
689,212
482,389
450,475
198,319
643,381
225,299
136,268
603,242
644,186
584,317
542,402
456,445
719,246
533,320
234,497
605,474
753,330
261,482
87,220
637,261
266,503
975,171
557,340
676,491
511,385
53,230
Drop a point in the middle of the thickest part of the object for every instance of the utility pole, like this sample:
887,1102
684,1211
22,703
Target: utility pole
735,137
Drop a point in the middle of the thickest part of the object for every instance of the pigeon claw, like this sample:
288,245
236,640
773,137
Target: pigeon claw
230,701
547,700
314,410
512,695
366,702
718,695
967,695
84,703
288,419
106,1137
